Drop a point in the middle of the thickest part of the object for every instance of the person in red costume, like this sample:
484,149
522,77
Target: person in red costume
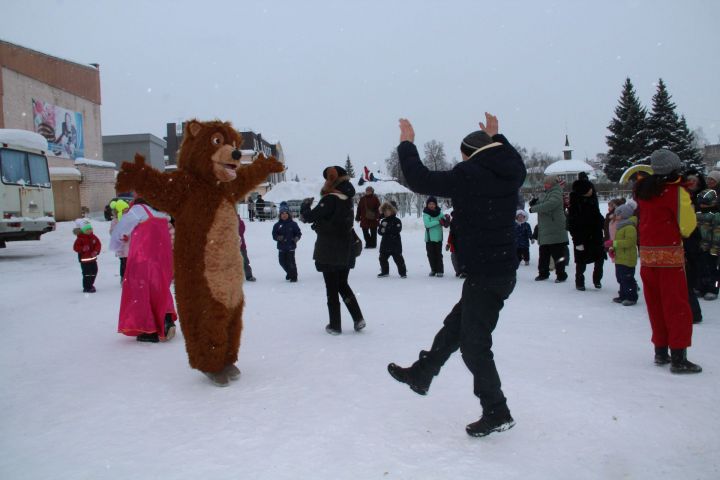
666,217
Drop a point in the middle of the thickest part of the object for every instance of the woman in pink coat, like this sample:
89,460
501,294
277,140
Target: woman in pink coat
147,310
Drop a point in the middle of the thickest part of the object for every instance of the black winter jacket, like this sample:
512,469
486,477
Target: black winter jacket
484,193
389,228
332,220
585,223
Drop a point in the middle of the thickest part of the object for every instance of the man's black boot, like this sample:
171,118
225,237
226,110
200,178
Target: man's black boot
662,357
492,421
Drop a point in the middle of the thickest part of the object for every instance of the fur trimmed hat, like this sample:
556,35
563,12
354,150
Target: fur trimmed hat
388,206
333,176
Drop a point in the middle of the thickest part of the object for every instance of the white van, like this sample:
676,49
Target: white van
26,196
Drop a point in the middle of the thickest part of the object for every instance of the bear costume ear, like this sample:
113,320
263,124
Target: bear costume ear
193,128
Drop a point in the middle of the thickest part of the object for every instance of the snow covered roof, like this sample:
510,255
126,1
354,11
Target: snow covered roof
94,163
65,173
568,166
24,139
300,190
293,191
383,187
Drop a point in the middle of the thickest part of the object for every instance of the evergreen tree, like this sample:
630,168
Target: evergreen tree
349,168
628,139
663,122
667,130
687,150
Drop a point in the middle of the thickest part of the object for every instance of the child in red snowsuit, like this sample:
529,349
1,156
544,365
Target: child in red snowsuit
87,246
666,217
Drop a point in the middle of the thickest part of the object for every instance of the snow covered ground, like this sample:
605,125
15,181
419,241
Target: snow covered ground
79,400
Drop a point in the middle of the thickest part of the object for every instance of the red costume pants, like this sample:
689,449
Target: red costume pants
666,297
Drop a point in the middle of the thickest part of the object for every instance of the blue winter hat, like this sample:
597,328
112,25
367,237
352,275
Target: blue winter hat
284,208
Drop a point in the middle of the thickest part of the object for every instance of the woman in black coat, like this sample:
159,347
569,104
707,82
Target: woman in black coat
585,223
334,255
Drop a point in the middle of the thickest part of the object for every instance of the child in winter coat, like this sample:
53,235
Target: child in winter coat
433,236
523,236
287,233
450,246
88,247
391,243
122,252
243,251
624,248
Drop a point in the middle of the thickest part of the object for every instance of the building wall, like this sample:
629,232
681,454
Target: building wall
122,148
27,74
18,93
97,187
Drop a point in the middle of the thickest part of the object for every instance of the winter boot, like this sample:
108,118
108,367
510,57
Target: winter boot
618,300
580,287
540,278
680,363
232,372
354,308
418,381
561,277
220,378
628,303
169,327
382,274
331,330
491,422
661,356
148,337
359,325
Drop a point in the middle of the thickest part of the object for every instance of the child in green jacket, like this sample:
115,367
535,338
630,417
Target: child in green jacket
432,216
626,255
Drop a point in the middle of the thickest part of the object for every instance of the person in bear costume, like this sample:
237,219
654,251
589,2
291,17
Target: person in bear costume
201,196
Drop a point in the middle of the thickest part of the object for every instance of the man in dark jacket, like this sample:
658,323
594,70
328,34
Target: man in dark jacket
484,191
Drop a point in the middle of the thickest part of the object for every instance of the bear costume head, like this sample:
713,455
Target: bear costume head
210,150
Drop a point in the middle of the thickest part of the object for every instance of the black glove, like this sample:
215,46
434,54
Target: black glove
533,201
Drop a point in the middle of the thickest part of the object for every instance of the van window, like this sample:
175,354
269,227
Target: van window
39,174
13,167
21,168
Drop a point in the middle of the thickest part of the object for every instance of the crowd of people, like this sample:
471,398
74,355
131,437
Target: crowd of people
670,224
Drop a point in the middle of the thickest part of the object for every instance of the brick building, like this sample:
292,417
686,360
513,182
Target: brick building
60,100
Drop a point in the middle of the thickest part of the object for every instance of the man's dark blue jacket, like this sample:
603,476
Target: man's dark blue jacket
484,193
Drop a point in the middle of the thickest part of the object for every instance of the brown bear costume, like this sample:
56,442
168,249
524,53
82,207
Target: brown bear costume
201,195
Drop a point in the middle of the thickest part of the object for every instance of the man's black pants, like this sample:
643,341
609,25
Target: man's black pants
469,327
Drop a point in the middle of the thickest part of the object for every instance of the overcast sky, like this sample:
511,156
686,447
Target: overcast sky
331,78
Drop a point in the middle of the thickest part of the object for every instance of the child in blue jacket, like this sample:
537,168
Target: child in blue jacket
523,236
287,233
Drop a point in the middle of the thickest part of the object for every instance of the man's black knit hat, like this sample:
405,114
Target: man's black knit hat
475,141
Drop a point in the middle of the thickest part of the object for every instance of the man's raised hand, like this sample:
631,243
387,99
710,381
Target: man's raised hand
491,124
407,133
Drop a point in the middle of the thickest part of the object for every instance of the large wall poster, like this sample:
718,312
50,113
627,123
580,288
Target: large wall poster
62,128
